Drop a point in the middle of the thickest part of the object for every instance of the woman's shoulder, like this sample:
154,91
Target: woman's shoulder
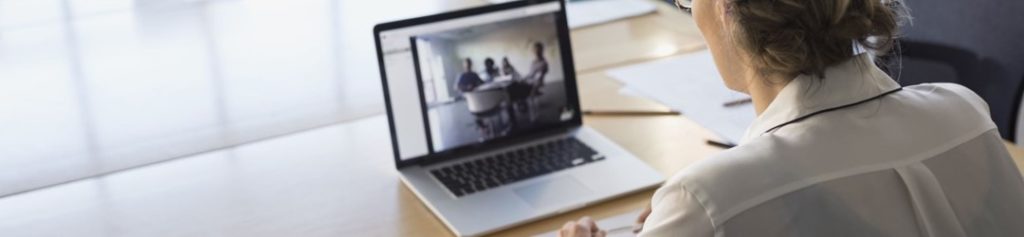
936,93
831,146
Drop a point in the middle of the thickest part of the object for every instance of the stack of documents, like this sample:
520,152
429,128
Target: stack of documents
592,12
691,84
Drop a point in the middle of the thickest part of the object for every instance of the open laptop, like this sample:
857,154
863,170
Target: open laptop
485,119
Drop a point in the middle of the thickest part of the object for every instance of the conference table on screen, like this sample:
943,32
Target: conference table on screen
340,180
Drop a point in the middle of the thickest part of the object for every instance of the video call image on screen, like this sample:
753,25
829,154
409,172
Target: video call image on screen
487,81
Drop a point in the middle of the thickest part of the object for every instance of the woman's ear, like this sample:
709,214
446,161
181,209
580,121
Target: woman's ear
723,14
726,25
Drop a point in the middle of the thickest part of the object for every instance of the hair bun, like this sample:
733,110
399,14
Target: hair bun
806,36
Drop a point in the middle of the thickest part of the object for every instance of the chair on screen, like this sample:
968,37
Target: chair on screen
488,105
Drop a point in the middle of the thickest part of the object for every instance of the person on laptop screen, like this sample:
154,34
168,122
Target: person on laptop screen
838,148
539,66
468,80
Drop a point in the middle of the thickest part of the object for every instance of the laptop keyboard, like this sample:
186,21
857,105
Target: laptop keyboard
504,168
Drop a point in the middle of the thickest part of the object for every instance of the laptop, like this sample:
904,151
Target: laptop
485,118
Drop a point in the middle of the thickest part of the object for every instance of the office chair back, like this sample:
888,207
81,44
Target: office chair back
974,43
1019,129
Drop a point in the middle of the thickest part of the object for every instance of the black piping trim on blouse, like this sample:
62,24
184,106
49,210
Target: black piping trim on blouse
798,119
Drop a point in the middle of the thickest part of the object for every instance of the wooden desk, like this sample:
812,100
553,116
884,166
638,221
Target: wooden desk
637,39
340,180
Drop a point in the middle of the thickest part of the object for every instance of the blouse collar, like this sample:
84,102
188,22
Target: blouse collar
848,82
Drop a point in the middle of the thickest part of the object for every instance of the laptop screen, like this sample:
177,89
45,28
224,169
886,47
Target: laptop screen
469,80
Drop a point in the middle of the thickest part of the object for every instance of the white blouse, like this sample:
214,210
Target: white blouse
922,161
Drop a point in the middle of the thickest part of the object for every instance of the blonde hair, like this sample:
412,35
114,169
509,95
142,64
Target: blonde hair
806,36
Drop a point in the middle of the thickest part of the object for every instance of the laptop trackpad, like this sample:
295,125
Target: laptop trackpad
552,192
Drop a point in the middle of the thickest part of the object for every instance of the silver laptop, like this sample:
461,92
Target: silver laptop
485,119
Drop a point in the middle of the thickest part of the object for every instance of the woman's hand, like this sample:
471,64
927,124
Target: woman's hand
639,226
584,227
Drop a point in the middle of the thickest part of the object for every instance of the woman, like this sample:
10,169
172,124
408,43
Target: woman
838,147
491,70
510,72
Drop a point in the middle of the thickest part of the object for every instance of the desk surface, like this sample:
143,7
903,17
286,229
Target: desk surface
339,180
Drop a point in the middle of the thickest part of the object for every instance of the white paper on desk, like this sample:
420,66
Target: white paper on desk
690,84
627,91
592,12
617,226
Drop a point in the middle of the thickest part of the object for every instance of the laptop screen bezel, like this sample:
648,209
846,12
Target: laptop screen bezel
565,49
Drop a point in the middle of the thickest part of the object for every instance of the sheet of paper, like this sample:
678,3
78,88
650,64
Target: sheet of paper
690,84
592,12
627,91
616,226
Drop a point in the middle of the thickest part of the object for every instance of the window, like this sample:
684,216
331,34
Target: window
94,86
